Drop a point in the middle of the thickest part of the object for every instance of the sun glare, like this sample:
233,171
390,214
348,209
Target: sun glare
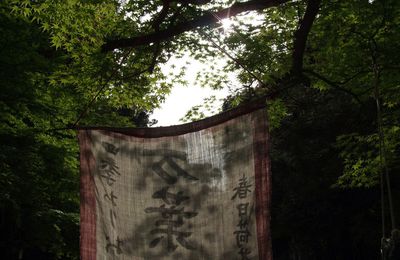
226,24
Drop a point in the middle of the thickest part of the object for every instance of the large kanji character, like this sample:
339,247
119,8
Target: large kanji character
172,218
173,171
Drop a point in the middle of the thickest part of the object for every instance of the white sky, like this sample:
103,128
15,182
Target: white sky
180,101
183,98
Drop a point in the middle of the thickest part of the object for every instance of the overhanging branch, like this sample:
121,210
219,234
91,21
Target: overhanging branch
201,21
300,36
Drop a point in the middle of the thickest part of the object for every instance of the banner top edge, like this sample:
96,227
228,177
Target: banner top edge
174,130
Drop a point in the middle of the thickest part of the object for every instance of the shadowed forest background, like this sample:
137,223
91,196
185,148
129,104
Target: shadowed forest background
98,62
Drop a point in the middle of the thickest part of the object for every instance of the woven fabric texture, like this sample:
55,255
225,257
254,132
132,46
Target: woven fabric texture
203,193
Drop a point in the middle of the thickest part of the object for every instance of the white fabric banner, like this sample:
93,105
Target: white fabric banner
196,191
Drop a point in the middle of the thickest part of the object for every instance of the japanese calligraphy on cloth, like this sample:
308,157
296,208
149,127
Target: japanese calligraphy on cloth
194,191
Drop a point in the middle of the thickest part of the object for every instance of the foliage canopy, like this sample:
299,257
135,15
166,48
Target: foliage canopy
99,61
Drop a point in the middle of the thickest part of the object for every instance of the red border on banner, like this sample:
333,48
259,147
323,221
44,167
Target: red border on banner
88,199
261,168
263,185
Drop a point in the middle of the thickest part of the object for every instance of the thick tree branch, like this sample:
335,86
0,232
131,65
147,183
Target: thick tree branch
204,20
161,16
300,36
194,2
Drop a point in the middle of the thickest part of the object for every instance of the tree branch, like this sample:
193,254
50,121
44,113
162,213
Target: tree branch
334,85
161,16
300,36
209,18
194,2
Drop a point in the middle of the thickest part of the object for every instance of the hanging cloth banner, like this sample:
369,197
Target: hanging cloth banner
194,191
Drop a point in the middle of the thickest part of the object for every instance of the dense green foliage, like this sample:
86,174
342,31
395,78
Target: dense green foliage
44,87
325,142
326,164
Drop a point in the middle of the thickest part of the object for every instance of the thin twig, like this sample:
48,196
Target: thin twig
85,110
333,84
233,58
